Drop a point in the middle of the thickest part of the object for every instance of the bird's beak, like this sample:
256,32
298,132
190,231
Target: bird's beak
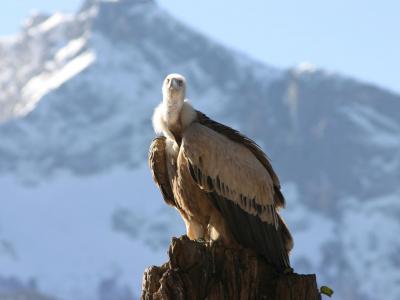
173,84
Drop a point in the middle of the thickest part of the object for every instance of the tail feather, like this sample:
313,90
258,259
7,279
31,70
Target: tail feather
286,235
279,199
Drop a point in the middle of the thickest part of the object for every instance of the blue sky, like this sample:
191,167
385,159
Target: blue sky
358,38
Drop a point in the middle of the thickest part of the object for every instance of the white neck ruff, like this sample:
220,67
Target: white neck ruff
166,115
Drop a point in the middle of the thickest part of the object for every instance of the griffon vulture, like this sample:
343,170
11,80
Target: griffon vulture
220,181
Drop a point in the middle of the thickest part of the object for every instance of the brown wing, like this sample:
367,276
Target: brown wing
158,166
240,187
236,136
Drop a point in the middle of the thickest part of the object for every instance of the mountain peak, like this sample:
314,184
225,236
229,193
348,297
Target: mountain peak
92,3
34,18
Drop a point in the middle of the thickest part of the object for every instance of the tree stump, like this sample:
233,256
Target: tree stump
199,270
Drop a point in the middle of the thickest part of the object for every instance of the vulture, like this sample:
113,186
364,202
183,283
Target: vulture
220,181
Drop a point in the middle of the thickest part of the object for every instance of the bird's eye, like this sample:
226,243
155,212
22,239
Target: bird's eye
168,80
180,82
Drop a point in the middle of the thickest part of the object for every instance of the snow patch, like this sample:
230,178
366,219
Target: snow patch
40,85
380,130
52,22
305,67
370,232
62,233
72,48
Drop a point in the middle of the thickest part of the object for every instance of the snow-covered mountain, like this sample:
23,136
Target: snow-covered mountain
79,216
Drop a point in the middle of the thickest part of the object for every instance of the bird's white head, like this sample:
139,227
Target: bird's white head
174,90
174,111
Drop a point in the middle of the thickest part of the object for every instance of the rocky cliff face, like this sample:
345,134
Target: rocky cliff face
77,93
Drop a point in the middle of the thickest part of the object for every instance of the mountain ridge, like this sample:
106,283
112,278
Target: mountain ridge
77,95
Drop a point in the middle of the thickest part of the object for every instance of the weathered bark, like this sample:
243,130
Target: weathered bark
202,271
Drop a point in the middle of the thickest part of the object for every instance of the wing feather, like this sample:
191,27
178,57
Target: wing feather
158,165
240,187
236,136
220,165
